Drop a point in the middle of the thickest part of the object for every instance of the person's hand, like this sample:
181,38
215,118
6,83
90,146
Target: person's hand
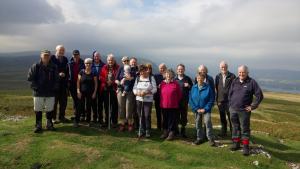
79,95
117,82
201,111
109,83
186,84
248,108
94,95
219,104
62,74
122,81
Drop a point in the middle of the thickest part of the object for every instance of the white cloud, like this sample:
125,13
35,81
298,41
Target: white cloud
227,29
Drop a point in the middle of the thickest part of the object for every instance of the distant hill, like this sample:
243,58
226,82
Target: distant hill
14,68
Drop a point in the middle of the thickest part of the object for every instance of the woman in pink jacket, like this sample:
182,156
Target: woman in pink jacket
170,95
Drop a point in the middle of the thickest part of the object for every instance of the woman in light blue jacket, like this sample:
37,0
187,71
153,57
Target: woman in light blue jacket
201,102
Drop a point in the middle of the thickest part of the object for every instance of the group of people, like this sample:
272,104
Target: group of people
126,94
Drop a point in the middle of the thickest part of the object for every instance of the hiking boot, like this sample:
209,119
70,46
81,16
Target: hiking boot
235,146
130,127
246,150
121,128
212,142
222,134
182,132
38,130
147,134
170,136
198,141
164,135
49,125
75,124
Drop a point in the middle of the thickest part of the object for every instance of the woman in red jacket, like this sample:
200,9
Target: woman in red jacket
170,95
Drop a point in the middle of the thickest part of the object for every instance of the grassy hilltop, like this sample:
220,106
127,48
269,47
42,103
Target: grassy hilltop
275,126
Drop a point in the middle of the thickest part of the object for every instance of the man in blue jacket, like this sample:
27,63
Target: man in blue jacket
240,106
201,102
44,83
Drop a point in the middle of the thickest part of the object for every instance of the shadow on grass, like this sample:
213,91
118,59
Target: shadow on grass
278,150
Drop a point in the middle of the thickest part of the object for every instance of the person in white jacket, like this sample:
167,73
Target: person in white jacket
144,88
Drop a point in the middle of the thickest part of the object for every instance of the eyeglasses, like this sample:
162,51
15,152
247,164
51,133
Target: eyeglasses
88,63
125,60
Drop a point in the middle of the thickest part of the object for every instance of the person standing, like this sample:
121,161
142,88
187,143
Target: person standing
44,83
144,88
76,64
241,105
125,95
223,82
159,78
185,83
170,96
86,90
201,102
108,88
97,104
61,97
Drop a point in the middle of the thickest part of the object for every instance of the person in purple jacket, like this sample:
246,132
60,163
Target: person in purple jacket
240,106
170,96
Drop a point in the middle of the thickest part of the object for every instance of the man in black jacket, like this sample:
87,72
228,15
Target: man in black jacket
44,83
185,83
61,96
223,82
240,106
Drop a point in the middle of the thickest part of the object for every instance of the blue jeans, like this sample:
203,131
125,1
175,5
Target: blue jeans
208,125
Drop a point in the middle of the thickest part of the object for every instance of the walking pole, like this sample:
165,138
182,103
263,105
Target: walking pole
109,111
140,120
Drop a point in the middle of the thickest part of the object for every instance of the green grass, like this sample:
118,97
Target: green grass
274,121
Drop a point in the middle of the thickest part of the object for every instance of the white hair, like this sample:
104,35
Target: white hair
203,66
244,67
111,56
162,65
59,46
223,63
88,60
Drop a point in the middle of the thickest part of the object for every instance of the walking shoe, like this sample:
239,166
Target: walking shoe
49,125
130,127
182,132
235,146
212,142
147,134
198,141
122,127
246,150
75,124
170,136
164,135
38,130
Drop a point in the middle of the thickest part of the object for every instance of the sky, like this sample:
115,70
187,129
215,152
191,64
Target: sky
262,34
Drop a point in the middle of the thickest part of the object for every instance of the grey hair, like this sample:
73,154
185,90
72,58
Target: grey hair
203,67
111,56
171,72
59,46
223,62
88,60
162,64
244,67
